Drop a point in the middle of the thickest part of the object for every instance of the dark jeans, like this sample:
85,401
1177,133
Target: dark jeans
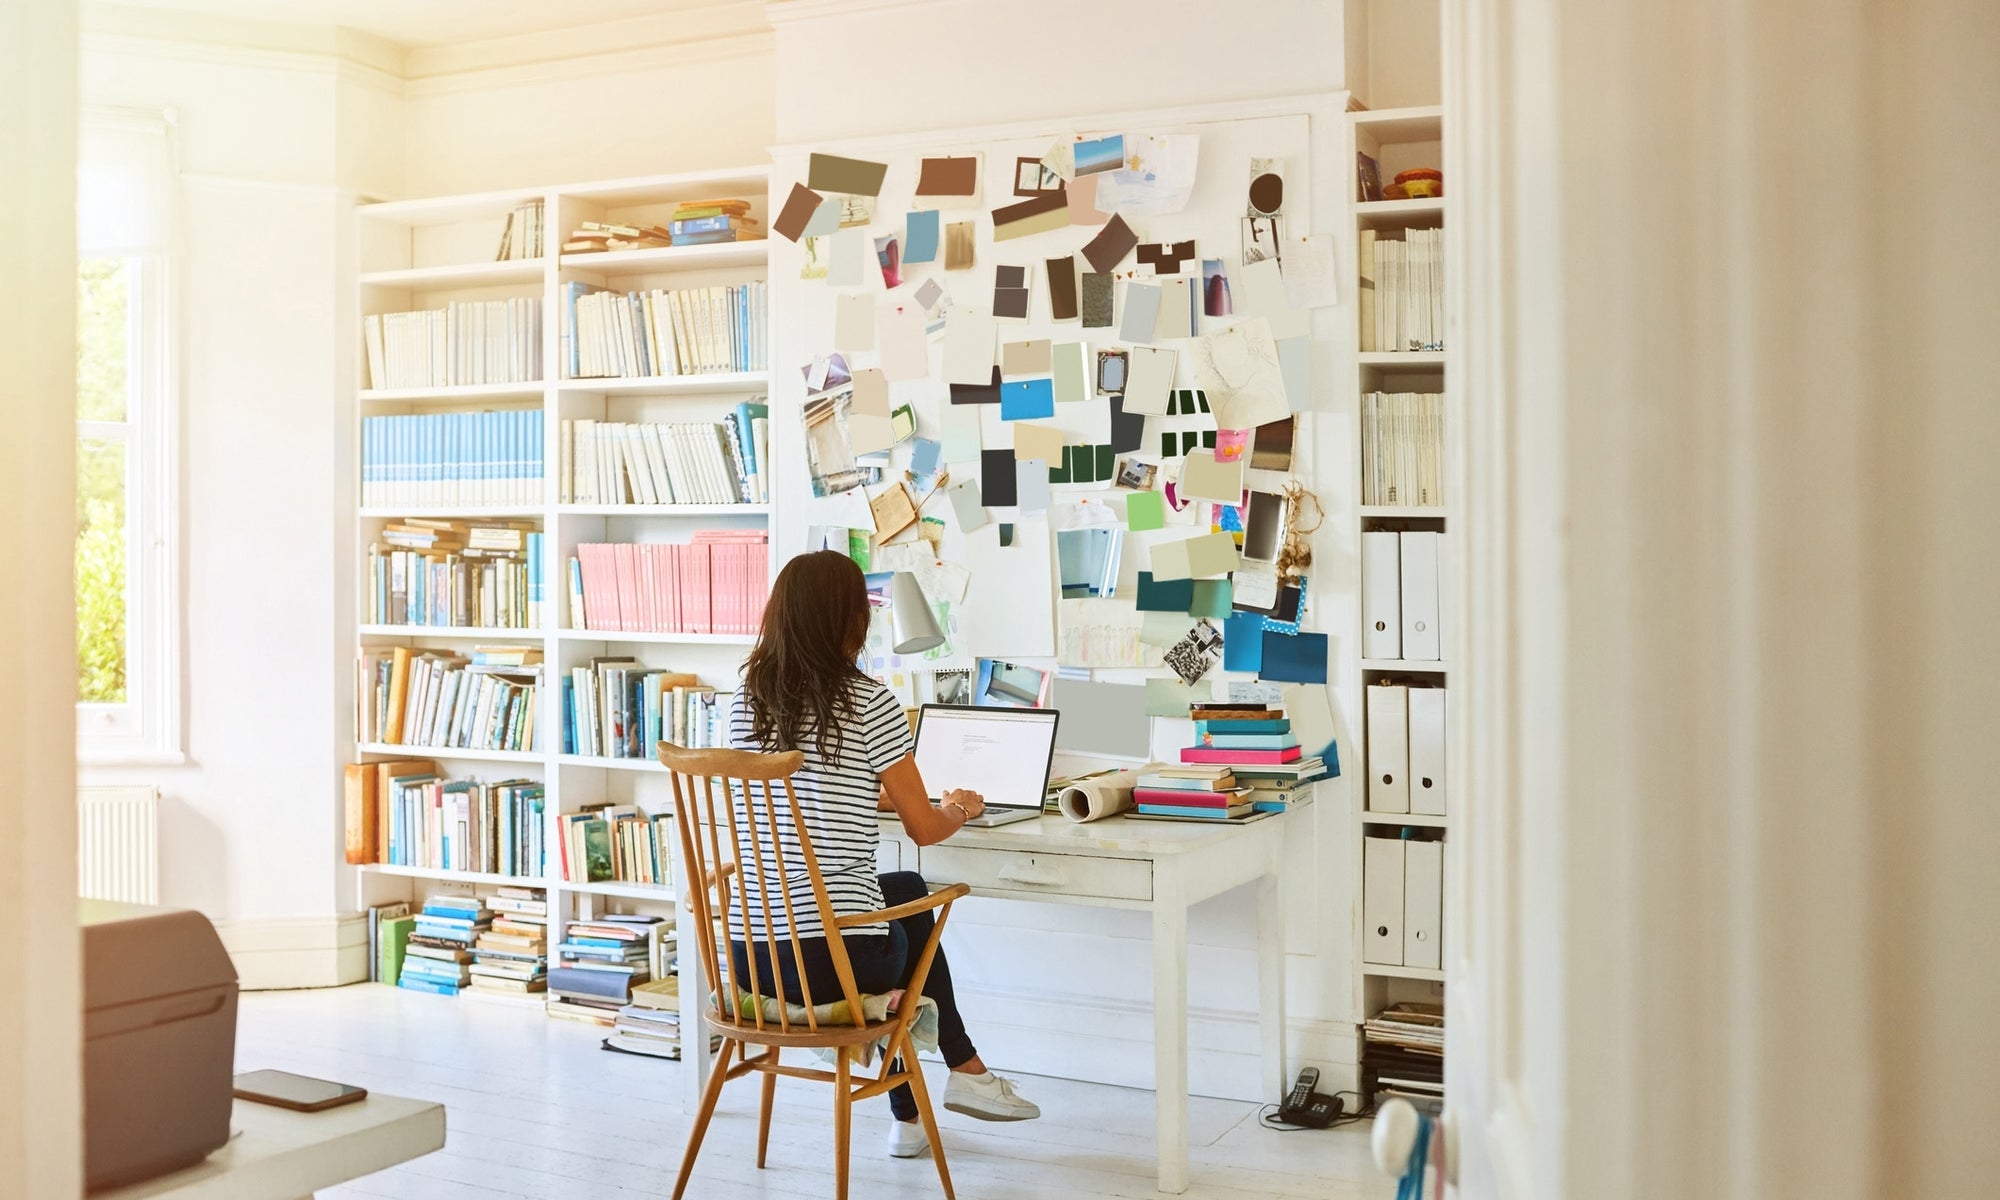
880,964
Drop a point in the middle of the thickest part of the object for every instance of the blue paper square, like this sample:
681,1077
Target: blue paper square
1028,400
924,455
920,244
1294,658
1243,642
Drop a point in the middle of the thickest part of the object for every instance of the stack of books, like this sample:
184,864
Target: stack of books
465,342
430,460
1402,448
619,708
1408,297
644,335
617,842
651,1024
716,582
705,222
595,237
415,697
1402,1055
461,824
510,959
451,574
522,238
1258,745
685,462
440,948
601,961
1195,791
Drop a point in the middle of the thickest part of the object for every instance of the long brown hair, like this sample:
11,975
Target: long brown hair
799,675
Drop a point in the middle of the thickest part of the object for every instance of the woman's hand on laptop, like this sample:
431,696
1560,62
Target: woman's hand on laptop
969,802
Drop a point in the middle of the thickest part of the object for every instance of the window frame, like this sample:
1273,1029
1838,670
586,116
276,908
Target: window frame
146,727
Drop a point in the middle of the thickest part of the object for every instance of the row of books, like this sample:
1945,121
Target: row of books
438,954
643,335
692,223
522,238
599,962
461,824
456,588
620,708
1402,1055
1402,448
1404,309
441,698
617,842
596,237
429,459
465,342
682,462
716,582
1245,760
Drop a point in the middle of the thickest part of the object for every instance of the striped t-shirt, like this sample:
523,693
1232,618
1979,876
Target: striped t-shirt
837,799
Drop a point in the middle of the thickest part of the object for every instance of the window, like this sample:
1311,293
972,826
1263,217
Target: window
127,512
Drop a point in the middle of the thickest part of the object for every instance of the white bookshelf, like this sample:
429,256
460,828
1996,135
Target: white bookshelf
416,254
1398,139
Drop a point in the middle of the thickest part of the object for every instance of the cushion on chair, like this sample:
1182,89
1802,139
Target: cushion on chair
876,1010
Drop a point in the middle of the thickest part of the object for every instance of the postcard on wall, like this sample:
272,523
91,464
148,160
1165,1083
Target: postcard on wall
1099,154
1214,289
1309,272
949,178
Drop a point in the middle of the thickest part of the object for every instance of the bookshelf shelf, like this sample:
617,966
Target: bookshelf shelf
447,876
453,633
1427,819
1402,358
1401,664
717,382
447,395
453,752
613,264
1427,512
663,639
1394,214
651,892
611,764
446,511
462,275
663,510
1386,972
1417,123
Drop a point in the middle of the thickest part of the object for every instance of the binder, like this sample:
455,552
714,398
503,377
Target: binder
1423,904
1447,603
1382,901
1381,603
1388,748
1420,597
1426,769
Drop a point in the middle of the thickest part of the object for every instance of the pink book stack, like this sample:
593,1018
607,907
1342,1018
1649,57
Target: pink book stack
714,583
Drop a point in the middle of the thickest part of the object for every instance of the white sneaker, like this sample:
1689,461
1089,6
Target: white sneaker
906,1139
988,1097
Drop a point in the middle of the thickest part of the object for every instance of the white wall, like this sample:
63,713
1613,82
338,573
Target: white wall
1402,53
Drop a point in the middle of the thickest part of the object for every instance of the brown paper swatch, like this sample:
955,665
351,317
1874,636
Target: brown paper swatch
948,177
1111,244
798,211
1062,288
855,176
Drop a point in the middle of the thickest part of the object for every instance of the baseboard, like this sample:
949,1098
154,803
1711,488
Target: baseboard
1111,1041
278,953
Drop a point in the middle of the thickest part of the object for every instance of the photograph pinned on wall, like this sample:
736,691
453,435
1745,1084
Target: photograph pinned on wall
1010,685
1032,177
856,211
1060,161
1087,560
889,256
1271,447
1267,187
1099,154
1195,655
951,687
958,246
830,453
1136,475
812,264
1262,237
1111,372
1215,289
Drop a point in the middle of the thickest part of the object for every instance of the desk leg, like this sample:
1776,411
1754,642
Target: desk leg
1170,1016
1271,981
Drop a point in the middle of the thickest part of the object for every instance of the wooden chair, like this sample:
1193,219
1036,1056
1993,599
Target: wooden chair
725,848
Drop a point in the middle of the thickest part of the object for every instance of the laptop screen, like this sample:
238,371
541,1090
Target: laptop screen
1001,753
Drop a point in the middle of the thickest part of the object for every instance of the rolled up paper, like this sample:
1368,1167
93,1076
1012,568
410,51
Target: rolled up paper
1095,797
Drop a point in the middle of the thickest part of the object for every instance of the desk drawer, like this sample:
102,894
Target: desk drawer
1051,874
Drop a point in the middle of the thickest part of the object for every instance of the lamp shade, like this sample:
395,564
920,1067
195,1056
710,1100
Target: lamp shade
916,629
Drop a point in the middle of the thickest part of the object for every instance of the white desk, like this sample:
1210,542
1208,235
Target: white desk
283,1154
1161,866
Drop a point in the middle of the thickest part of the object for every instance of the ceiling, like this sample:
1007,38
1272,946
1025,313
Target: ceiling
423,23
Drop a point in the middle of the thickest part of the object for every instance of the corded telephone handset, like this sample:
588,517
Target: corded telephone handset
1303,1106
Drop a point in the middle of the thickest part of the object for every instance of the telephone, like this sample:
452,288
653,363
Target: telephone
1303,1106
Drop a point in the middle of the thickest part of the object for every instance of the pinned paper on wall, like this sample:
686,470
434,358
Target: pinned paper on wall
854,322
1171,561
1096,306
925,456
1010,292
966,504
1179,315
1242,642
1172,698
1145,510
1271,447
1162,593
920,232
1215,300
1111,245
845,259
1142,308
1128,429
1060,160
1037,441
1025,358
930,295
889,257
1042,213
1098,633
1156,177
1211,599
1083,202
1204,478
948,178
1294,658
1166,258
1031,486
1308,270
871,393
899,331
855,176
997,479
1163,628
1071,382
1232,445
960,426
968,347
1240,371
1295,364
1062,288
1027,400
1149,377
870,435
958,246
1010,603
825,219
1262,294
894,512
978,393
797,212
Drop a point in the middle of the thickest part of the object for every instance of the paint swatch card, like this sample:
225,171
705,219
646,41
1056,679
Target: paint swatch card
856,177
846,256
1145,510
1096,303
956,178
1158,593
968,347
1027,400
797,212
960,426
921,236
1142,308
1171,697
1243,642
1024,358
1031,486
997,479
1203,477
1067,360
1038,441
1294,658
1062,288
966,505
1111,245
854,321
1149,377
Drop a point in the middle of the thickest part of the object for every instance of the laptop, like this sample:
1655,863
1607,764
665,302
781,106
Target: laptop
1002,753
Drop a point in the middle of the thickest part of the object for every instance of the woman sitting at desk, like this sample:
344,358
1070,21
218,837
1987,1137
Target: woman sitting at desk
802,691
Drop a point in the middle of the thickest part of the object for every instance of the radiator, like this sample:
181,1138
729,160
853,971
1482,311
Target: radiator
118,844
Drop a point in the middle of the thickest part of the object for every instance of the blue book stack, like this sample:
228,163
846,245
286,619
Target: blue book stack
441,944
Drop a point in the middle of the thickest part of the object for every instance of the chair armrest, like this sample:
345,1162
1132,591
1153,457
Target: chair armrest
944,895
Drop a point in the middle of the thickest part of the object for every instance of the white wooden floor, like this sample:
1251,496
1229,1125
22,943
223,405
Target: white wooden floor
535,1109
